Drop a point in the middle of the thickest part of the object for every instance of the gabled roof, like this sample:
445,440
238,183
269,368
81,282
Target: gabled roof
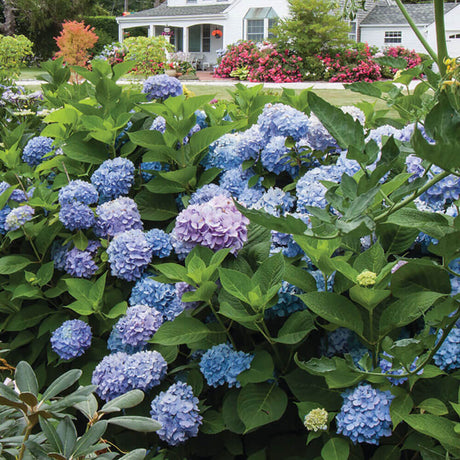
421,13
192,10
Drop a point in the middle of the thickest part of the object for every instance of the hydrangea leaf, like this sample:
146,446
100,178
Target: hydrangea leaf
13,263
181,330
296,328
335,449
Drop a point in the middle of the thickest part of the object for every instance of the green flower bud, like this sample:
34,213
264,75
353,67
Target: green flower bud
366,278
316,420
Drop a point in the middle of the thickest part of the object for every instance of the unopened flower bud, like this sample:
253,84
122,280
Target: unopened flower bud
316,420
366,278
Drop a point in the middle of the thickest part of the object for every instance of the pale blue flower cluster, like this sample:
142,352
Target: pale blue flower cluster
80,191
443,192
235,181
80,264
201,119
379,134
121,372
76,216
250,143
448,355
177,411
158,124
116,216
59,254
318,137
207,192
162,86
283,120
223,153
275,157
113,178
129,254
36,149
387,368
160,242
71,339
17,217
115,343
222,364
288,302
275,202
365,414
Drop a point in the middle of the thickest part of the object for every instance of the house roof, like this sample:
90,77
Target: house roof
192,10
261,13
421,13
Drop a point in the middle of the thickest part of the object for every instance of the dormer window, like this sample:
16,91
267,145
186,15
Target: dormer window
258,22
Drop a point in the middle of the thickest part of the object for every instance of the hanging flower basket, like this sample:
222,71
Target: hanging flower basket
216,33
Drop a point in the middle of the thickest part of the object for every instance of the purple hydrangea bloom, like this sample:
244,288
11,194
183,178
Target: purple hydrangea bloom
160,242
448,355
76,216
117,216
129,254
71,339
275,202
288,302
275,157
216,224
113,178
121,372
161,87
222,364
223,153
18,217
80,264
365,414
159,124
139,324
78,190
157,295
181,289
149,166
283,120
207,192
177,411
36,149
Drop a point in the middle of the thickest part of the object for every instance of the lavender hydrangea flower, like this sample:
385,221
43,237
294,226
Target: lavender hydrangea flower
275,157
181,289
206,193
160,242
18,217
177,411
129,254
139,324
78,190
113,178
414,166
117,216
76,216
159,124
222,364
121,372
216,224
161,87
283,120
448,355
365,414
288,302
36,149
80,264
160,296
71,339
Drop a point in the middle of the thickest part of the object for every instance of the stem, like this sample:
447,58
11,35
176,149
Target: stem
66,172
440,35
219,320
32,244
416,30
26,437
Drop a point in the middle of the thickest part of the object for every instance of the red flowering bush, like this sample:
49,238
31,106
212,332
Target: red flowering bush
412,58
351,64
263,62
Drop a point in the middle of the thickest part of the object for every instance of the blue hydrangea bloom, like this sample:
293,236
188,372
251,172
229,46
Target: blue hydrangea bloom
443,192
80,264
201,118
161,87
116,344
345,165
235,181
222,364
318,137
159,124
275,157
157,295
71,339
387,368
152,166
320,282
207,192
356,113
288,302
129,254
160,242
177,411
59,254
285,243
121,372
117,216
250,143
223,153
275,201
448,355
113,178
365,414
250,196
283,120
378,134
19,196
78,190
3,213
76,216
36,149
181,289
18,217
414,166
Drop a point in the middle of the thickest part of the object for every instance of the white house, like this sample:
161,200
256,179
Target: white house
193,24
385,26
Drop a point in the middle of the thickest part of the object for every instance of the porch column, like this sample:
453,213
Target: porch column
120,33
151,32
185,39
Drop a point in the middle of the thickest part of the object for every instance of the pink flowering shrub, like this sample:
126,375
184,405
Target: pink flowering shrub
264,63
412,58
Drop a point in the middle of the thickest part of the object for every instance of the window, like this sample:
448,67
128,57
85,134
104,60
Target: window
206,38
194,39
352,33
191,1
271,23
256,30
393,37
454,36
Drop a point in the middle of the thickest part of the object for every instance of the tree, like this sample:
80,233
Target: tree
312,27
9,25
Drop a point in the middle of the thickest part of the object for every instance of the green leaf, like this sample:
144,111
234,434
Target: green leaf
117,310
182,330
89,407
363,87
51,435
396,239
390,61
28,317
79,150
25,378
13,264
300,278
63,382
433,406
230,413
372,259
270,272
126,401
260,403
296,328
400,406
79,288
334,308
261,370
236,283
335,449
213,422
136,454
68,435
136,423
147,138
85,445
156,207
174,272
368,298
208,176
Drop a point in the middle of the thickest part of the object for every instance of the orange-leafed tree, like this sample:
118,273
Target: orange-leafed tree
74,42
